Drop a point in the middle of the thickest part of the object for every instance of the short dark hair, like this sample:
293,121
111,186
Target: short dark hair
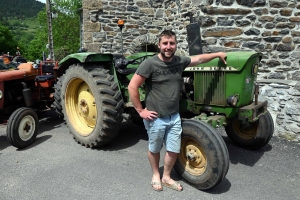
168,33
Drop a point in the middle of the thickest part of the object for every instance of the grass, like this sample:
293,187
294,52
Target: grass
25,26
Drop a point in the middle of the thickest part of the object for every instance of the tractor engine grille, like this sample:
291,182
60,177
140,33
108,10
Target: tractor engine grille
210,88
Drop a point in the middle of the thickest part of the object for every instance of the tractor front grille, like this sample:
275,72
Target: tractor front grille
210,88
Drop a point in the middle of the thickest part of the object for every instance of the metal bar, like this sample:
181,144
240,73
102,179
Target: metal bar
50,35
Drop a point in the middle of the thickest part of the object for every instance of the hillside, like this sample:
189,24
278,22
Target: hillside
19,16
26,26
19,9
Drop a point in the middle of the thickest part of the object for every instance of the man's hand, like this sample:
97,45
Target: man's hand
148,115
223,57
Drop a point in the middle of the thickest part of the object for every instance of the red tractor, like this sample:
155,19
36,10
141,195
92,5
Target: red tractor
25,90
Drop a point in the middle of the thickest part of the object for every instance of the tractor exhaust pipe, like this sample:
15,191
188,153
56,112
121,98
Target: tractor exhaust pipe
194,37
27,95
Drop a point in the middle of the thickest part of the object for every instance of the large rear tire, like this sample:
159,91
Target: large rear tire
203,160
91,104
251,135
22,127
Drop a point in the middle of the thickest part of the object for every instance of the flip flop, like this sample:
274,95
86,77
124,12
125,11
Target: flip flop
156,183
173,186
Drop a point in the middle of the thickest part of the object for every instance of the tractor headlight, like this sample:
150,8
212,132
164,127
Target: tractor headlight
255,69
232,100
1,94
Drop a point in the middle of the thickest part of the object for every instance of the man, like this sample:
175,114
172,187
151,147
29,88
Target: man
18,53
162,75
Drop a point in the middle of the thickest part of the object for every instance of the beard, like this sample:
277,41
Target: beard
163,54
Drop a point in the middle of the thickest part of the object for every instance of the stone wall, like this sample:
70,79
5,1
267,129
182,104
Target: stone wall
267,26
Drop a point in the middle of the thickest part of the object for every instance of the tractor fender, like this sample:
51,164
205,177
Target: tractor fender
85,57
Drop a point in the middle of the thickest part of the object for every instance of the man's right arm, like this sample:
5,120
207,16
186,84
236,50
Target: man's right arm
133,89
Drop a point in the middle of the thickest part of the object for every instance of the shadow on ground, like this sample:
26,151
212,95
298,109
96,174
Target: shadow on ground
241,155
3,142
128,136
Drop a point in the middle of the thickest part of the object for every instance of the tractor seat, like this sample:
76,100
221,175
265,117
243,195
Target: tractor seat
47,78
42,78
45,81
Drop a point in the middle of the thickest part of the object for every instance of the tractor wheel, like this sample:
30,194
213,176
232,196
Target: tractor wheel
57,99
22,127
135,117
251,135
203,160
91,104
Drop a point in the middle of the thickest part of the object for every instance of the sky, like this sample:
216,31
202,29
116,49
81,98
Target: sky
43,1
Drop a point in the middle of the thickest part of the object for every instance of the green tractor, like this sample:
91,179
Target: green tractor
91,94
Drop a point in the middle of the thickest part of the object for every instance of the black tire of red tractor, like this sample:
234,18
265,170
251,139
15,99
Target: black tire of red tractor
108,100
13,125
215,151
57,99
263,132
9,126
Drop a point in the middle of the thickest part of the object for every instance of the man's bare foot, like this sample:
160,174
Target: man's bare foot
170,183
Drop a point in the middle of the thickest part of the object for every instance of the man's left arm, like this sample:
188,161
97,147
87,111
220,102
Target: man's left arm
204,58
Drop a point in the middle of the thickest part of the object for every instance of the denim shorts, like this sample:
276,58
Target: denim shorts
165,130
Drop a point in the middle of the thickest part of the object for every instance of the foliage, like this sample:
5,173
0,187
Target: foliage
67,6
20,22
65,30
24,31
14,9
30,32
7,42
37,45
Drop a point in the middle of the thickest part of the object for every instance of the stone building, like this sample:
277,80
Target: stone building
267,26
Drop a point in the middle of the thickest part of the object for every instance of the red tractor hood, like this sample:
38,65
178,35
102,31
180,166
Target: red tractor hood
11,75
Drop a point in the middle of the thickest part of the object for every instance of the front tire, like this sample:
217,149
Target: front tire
251,135
22,127
91,104
203,160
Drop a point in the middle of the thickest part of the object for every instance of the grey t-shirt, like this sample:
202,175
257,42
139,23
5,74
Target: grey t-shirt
163,83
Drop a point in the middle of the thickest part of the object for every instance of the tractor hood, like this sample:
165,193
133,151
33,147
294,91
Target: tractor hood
235,62
7,75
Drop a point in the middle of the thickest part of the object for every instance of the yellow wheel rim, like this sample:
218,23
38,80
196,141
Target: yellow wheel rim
245,130
80,106
192,156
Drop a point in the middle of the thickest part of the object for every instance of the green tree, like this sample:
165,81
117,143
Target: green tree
65,30
37,46
66,27
7,42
